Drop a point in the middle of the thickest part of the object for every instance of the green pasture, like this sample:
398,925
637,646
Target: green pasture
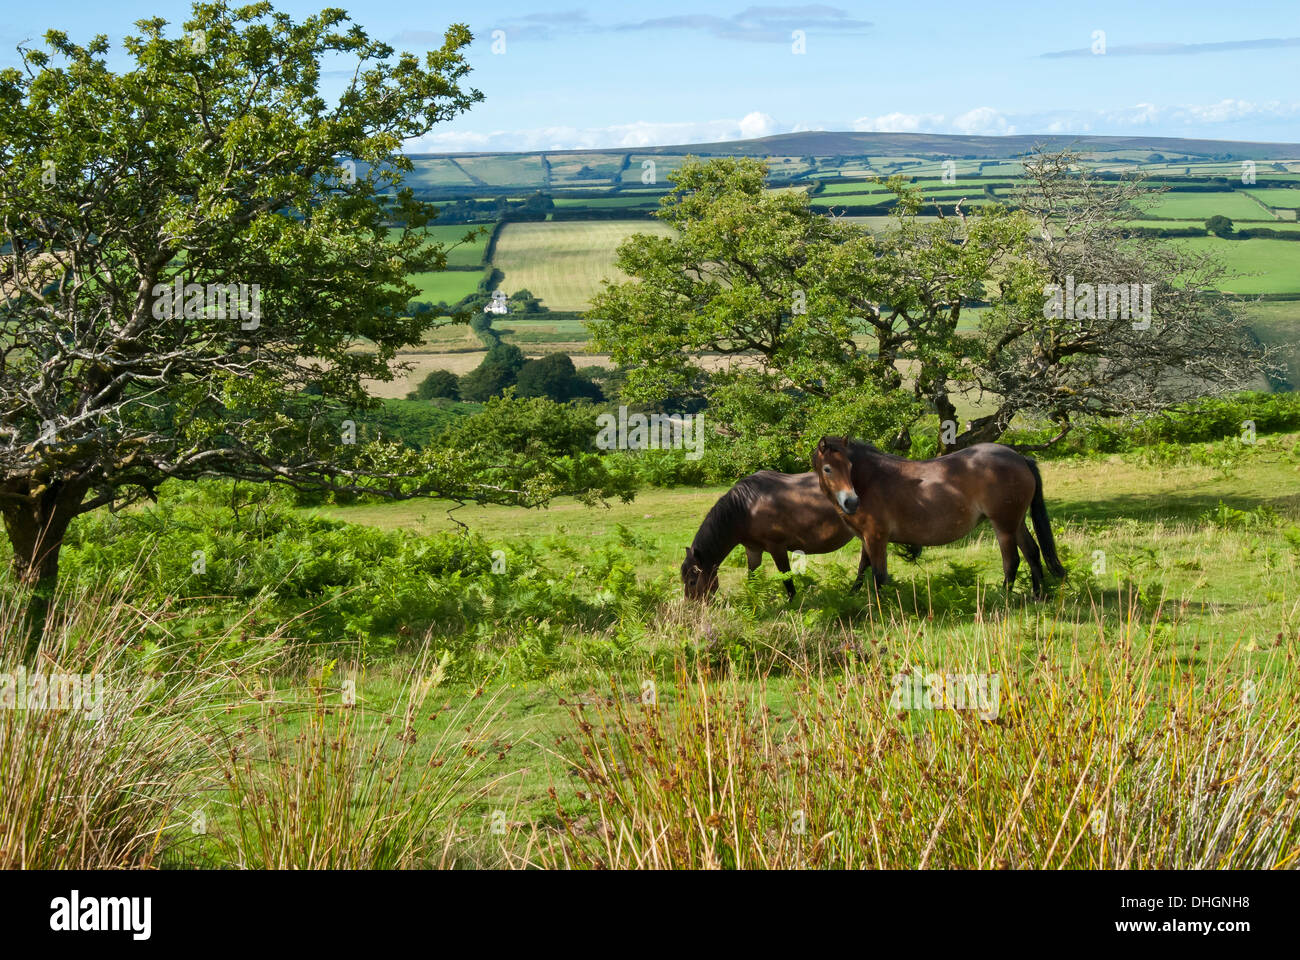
452,238
445,286
1201,206
1256,265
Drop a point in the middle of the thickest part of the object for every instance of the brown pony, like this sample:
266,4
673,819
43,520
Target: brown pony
930,502
766,512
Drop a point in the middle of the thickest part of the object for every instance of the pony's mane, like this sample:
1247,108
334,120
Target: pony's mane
854,449
715,538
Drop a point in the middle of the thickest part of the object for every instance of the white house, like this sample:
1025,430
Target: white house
497,304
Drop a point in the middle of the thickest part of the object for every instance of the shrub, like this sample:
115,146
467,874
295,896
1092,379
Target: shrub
439,384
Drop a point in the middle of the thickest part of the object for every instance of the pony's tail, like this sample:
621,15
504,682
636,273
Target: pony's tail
1043,526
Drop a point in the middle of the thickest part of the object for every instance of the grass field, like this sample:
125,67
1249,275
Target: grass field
1220,588
602,203
507,171
1288,198
1290,226
1259,265
563,263
459,254
1201,206
445,286
1277,324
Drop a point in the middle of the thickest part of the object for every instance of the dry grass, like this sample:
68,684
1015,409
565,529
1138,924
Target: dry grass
1103,754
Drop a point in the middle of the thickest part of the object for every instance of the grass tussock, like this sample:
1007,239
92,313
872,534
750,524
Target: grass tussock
332,784
1099,753
100,748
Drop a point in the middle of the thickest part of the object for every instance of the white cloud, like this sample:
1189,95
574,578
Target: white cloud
754,125
983,122
900,123
641,133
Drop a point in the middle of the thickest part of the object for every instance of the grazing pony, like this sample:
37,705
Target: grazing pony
930,502
766,512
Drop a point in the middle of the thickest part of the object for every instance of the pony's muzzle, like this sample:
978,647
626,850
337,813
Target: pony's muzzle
848,501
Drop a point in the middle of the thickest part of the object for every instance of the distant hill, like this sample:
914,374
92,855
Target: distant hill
833,144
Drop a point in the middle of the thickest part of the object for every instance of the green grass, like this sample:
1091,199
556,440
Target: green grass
1201,206
1289,226
1258,265
437,172
459,254
1199,593
853,188
1224,589
563,262
445,286
604,203
1277,324
1288,198
505,170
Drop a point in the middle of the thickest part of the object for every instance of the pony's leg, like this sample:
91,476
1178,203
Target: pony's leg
1030,549
864,561
1010,557
875,551
782,561
754,557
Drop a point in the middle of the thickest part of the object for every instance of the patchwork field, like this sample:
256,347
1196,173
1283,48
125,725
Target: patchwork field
563,263
460,253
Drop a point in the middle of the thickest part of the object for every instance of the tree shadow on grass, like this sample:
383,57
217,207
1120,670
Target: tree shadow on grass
1169,507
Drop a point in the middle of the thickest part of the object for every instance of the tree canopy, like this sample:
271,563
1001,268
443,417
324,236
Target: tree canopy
197,276
791,324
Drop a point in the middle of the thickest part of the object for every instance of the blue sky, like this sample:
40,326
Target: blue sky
689,71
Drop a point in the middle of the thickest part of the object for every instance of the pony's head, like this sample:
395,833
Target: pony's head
832,461
700,581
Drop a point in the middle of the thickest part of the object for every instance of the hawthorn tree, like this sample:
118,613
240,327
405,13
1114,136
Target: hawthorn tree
1095,322
194,249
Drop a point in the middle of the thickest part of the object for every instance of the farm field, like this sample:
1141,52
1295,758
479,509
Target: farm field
1201,206
1260,265
451,236
445,286
1277,324
603,203
563,262
1290,226
511,171
1288,198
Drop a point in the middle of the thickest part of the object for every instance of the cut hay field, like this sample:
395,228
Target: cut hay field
563,263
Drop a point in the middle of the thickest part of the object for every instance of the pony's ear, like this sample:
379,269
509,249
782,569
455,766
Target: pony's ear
690,554
821,445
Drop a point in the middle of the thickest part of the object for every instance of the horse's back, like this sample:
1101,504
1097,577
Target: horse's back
789,511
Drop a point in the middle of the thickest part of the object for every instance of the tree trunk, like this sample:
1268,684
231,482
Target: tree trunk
987,429
37,524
